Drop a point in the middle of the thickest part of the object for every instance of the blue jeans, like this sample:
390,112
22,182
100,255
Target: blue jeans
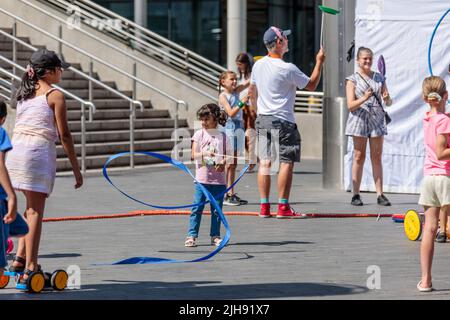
196,212
16,229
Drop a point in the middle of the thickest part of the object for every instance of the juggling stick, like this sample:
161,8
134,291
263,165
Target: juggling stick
329,11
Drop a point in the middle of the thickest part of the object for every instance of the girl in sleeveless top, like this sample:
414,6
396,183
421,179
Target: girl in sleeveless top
41,117
366,90
234,127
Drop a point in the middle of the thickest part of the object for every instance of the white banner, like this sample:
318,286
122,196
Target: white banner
401,30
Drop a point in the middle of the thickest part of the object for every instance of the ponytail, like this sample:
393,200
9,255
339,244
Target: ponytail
222,119
29,81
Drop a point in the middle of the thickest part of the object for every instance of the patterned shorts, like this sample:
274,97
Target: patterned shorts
270,129
363,123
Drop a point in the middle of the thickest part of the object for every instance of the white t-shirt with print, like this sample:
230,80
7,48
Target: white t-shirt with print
276,82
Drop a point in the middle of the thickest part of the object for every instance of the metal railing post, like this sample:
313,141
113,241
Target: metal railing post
83,139
175,124
186,61
134,86
60,35
132,115
14,45
91,72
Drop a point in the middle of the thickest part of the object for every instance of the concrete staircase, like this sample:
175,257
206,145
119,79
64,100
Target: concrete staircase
108,134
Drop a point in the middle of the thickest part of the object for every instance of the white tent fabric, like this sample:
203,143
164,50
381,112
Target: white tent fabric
400,30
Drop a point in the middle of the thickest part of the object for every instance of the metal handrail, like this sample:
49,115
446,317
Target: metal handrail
147,32
303,104
116,92
84,103
171,52
68,93
132,102
135,58
92,10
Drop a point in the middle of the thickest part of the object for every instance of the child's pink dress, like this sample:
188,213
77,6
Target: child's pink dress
32,161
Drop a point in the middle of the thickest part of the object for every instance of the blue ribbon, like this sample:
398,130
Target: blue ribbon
431,41
209,196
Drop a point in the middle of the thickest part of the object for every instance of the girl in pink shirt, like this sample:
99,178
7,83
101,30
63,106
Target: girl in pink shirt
208,151
435,189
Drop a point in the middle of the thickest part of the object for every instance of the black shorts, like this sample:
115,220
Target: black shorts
271,129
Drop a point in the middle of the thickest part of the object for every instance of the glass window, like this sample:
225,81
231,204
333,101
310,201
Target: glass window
200,25
158,17
122,7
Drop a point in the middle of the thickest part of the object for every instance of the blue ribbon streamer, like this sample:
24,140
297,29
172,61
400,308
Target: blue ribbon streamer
431,42
209,196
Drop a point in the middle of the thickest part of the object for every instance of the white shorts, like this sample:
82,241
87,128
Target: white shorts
435,191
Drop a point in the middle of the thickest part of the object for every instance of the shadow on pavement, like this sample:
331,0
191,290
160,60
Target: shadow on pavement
59,255
267,243
198,290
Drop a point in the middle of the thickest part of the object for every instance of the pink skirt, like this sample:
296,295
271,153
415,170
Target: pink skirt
31,163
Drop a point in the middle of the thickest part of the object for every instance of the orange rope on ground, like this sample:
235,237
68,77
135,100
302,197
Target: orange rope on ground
140,213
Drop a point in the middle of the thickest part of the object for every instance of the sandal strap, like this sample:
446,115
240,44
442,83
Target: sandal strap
28,272
19,259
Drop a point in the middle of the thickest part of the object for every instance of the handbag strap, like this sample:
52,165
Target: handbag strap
373,91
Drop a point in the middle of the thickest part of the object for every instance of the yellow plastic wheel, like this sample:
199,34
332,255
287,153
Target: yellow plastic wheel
35,282
412,225
59,280
4,280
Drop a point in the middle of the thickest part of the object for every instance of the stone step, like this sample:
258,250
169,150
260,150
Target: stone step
124,135
7,30
71,75
107,104
83,84
8,46
98,94
67,75
98,161
124,124
109,114
5,39
23,55
121,146
23,62
6,65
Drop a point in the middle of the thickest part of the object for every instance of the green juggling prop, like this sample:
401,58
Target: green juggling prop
327,10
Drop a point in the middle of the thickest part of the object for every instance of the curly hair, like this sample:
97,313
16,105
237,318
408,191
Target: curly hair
213,110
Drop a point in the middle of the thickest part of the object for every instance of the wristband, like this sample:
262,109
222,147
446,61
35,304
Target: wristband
241,104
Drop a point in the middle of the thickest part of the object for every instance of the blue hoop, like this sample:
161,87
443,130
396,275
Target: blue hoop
431,43
209,196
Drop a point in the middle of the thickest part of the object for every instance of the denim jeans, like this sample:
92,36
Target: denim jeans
16,229
196,212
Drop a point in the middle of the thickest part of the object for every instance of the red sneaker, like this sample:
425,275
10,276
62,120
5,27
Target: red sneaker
286,212
264,211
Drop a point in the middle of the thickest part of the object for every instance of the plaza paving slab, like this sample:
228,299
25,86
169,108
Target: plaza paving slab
327,258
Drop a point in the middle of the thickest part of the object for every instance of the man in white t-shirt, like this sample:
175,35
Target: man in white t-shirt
273,88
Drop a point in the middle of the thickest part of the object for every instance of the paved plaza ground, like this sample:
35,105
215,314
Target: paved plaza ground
326,258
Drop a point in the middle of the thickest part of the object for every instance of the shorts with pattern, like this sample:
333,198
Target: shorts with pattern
277,138
364,123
